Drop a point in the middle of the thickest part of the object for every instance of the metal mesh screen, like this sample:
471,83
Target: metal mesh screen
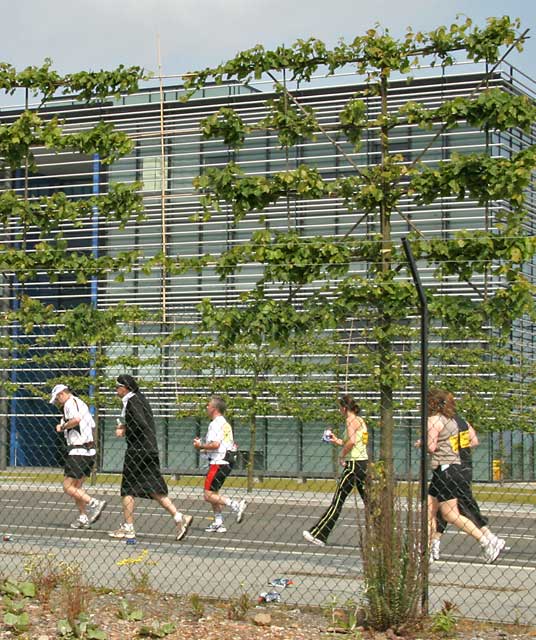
293,476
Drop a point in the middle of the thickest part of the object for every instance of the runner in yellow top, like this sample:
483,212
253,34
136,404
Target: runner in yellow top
354,459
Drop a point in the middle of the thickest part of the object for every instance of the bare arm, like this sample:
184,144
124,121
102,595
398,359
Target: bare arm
207,446
352,427
473,438
434,429
69,424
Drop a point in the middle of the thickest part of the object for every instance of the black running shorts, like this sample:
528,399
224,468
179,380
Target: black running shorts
78,467
448,484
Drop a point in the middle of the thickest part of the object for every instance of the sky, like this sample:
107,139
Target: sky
90,35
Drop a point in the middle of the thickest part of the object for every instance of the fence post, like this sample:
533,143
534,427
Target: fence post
424,423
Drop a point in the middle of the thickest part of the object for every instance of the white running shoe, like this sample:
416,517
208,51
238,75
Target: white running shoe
242,505
310,538
183,525
94,511
123,532
80,523
215,528
493,548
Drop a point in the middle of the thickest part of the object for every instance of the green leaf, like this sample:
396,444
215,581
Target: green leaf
135,614
9,588
18,621
27,589
64,628
14,606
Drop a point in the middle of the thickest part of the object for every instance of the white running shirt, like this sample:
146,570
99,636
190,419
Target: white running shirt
219,430
76,408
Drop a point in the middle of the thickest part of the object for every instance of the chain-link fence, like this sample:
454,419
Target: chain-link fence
116,266
290,525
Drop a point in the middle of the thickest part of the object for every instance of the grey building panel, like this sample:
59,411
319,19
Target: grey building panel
283,446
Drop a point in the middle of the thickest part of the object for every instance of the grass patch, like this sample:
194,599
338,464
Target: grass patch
484,493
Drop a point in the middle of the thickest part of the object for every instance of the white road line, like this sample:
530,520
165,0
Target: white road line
500,565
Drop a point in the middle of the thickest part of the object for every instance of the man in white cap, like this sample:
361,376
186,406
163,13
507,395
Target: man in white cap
77,425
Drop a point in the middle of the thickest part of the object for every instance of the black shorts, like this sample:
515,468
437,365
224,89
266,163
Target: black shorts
216,476
449,484
78,467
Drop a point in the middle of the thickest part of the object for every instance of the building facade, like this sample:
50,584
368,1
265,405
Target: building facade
169,153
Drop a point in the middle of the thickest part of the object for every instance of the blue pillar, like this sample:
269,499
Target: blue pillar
94,279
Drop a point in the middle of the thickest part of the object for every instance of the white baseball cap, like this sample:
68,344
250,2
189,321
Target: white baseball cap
57,389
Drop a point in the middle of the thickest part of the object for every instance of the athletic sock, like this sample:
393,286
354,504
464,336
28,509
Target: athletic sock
178,516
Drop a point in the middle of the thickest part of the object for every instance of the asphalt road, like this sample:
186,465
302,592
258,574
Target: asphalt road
267,544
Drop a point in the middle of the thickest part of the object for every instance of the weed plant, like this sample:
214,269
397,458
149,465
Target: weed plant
393,560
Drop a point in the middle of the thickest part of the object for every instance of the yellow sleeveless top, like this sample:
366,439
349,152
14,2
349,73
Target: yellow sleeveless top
359,450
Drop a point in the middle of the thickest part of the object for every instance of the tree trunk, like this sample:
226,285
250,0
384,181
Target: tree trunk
385,346
252,445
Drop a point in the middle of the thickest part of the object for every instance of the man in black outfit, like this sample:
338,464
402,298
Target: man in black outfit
141,468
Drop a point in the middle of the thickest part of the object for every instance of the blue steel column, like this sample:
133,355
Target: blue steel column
94,279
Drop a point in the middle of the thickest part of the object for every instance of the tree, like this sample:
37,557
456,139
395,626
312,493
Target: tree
259,381
310,280
36,250
291,261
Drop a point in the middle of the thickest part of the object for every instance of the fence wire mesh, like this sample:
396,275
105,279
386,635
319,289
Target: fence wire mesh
291,509
309,526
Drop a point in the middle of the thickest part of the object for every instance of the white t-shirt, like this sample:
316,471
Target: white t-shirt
219,430
76,408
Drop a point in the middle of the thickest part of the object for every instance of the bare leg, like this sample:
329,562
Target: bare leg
433,506
73,488
216,501
128,509
165,502
451,513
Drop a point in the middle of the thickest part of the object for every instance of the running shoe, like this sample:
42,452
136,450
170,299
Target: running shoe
123,533
493,548
242,505
183,525
80,523
94,511
310,538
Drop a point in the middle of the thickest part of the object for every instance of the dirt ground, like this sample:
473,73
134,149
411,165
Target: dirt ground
117,615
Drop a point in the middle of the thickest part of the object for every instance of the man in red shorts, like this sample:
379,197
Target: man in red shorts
217,446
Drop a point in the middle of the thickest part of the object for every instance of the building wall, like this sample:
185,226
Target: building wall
167,160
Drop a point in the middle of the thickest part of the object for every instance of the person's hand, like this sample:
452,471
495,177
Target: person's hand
342,462
334,440
417,444
59,427
120,430
197,443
